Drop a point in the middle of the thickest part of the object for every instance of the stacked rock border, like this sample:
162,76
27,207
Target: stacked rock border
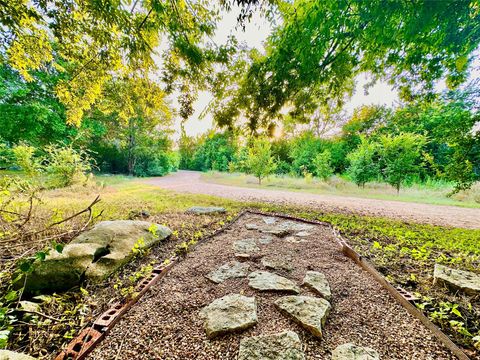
90,337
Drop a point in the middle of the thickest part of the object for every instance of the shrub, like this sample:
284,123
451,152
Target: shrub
65,166
25,160
323,165
400,157
260,161
363,165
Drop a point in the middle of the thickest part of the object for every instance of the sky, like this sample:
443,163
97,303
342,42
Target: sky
255,33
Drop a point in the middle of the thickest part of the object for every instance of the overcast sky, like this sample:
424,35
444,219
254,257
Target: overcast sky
255,33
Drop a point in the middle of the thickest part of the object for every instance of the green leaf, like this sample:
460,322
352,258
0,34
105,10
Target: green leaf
4,334
26,266
11,295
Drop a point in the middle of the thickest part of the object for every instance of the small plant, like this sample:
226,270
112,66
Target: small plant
323,165
260,161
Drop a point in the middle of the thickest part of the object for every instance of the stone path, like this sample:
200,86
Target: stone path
286,300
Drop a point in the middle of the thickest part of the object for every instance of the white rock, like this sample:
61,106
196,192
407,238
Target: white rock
282,346
465,281
266,281
233,269
229,313
318,282
310,312
352,352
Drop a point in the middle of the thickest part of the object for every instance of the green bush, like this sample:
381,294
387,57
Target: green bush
364,165
65,166
323,165
260,161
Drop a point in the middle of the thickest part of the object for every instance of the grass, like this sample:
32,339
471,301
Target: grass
429,193
404,252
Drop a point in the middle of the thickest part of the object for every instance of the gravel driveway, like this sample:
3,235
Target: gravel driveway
191,182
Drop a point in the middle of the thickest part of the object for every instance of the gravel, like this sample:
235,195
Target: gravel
165,323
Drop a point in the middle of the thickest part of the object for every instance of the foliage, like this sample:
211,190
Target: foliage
65,166
320,46
260,161
89,42
212,151
303,151
363,165
400,157
323,165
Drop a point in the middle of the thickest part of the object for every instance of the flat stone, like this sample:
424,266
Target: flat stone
264,240
465,281
11,355
245,246
233,269
303,233
94,254
277,231
266,281
251,226
277,263
282,346
296,226
29,306
229,313
318,282
353,352
294,240
203,210
269,220
310,312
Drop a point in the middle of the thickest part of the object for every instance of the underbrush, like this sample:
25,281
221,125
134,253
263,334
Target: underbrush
429,192
405,253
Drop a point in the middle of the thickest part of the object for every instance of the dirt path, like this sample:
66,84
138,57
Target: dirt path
191,182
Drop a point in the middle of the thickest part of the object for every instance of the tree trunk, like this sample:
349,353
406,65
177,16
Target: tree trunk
131,158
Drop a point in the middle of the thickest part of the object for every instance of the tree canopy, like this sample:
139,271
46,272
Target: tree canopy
319,47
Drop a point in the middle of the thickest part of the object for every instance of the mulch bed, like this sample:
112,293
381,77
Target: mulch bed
165,323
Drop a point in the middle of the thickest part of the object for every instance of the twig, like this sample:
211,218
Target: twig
40,314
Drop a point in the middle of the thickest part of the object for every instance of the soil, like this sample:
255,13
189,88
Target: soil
165,324
191,182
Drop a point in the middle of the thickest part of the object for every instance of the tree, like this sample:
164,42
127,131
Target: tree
321,45
363,165
400,157
260,161
323,165
90,42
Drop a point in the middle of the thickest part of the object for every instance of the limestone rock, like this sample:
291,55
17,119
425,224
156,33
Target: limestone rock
294,240
465,281
203,210
282,346
278,263
233,269
269,220
310,312
94,254
318,282
11,355
251,226
266,281
303,233
352,352
245,246
229,313
264,240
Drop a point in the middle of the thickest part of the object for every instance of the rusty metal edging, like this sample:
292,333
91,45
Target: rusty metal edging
90,337
402,298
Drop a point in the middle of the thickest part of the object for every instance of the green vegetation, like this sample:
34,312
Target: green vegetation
431,192
260,161
404,253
